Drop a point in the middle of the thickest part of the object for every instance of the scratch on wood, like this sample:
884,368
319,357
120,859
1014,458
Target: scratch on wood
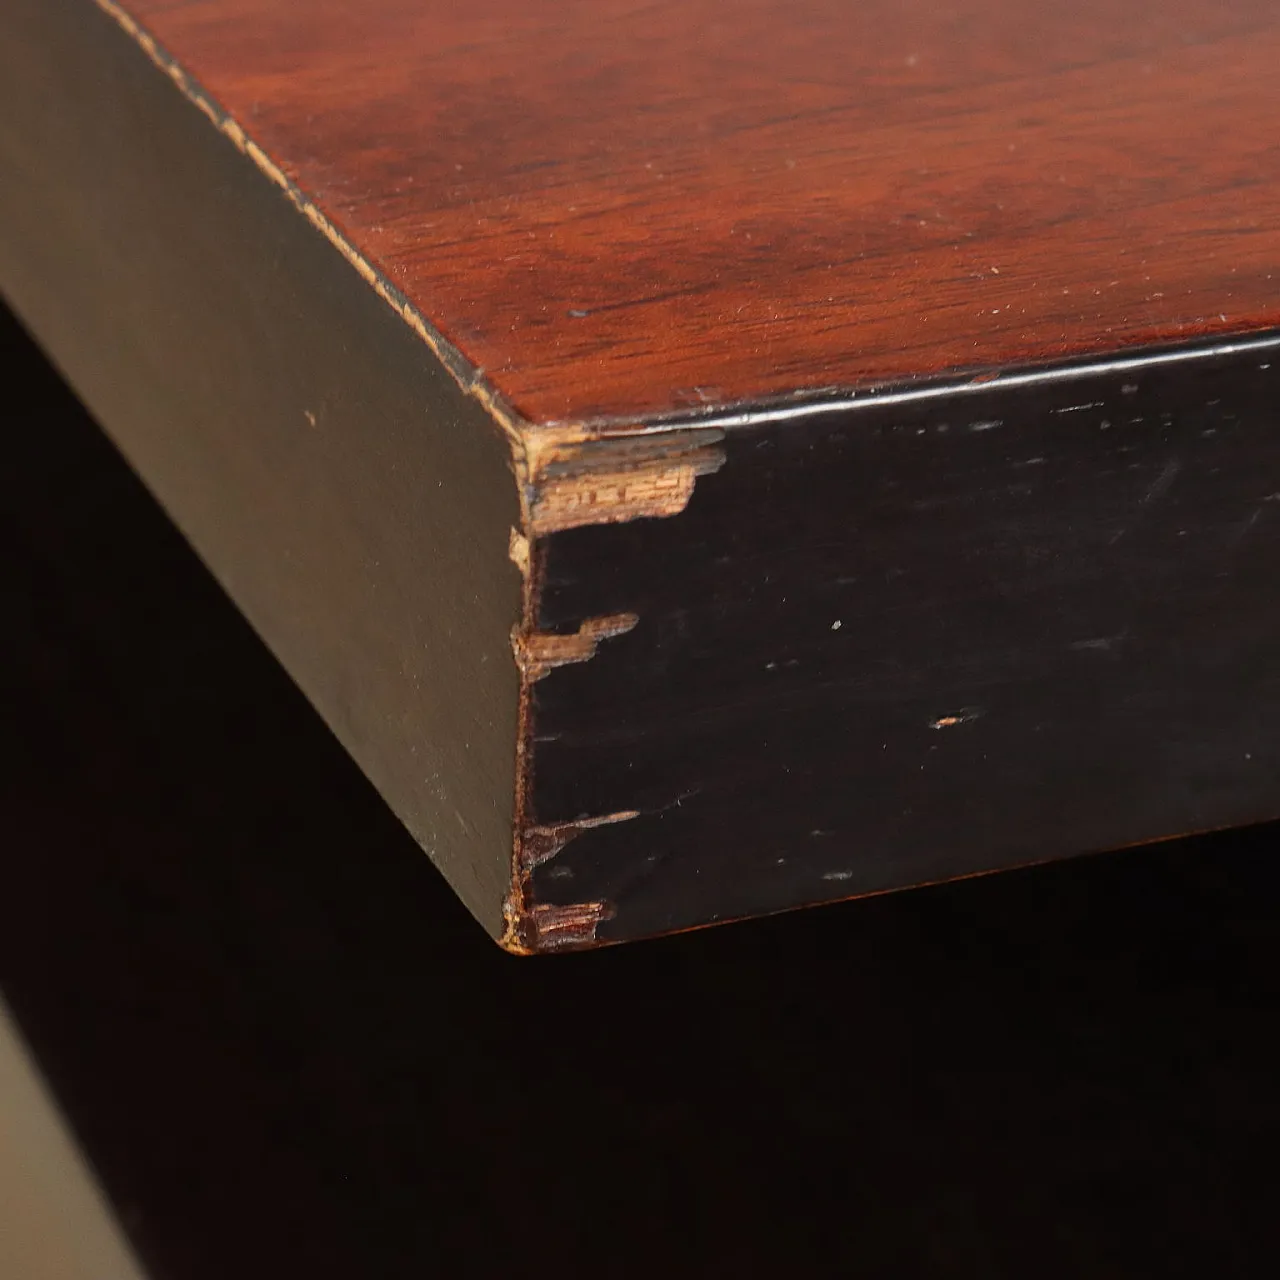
964,716
538,652
1162,482
541,844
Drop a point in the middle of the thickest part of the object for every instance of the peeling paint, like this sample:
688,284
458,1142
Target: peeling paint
539,927
573,481
520,553
551,928
541,844
538,652
964,716
614,497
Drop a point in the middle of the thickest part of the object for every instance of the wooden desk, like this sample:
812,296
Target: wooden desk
700,459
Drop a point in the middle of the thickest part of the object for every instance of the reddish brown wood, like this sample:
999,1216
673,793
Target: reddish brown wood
619,209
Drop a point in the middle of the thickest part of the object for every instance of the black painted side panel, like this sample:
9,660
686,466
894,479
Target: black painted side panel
908,643
349,498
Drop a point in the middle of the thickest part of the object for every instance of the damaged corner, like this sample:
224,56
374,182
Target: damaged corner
540,927
541,844
573,479
566,928
539,652
570,478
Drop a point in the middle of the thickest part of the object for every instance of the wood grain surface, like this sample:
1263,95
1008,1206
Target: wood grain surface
620,210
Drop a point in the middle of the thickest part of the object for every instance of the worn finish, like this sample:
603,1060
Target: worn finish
701,459
954,635
620,209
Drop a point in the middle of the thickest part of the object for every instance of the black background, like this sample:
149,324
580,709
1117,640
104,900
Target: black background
290,1052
